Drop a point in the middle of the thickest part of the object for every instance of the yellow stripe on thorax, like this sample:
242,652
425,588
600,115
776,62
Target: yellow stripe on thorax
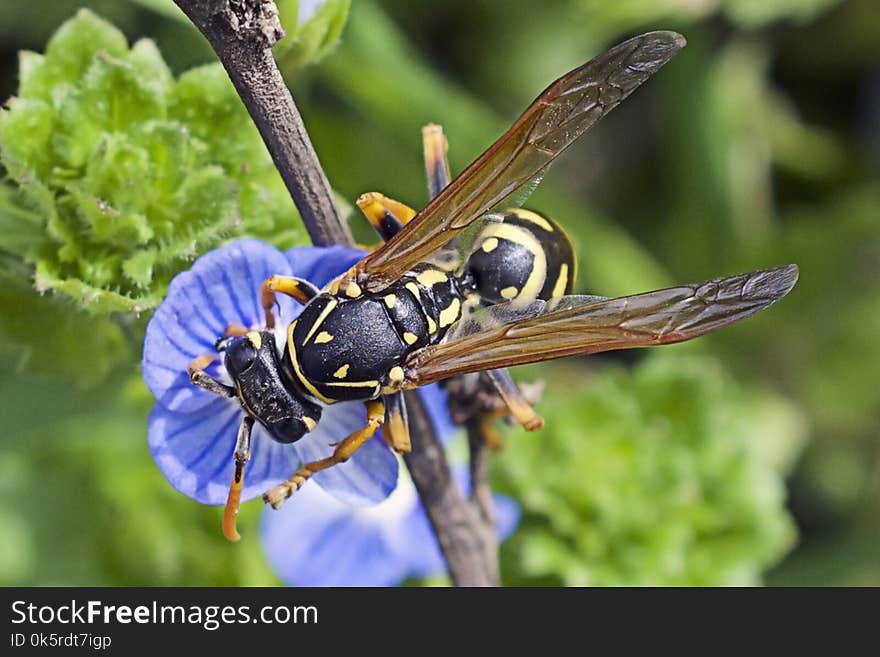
291,348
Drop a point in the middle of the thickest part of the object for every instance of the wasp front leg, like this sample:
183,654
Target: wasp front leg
344,450
297,288
241,456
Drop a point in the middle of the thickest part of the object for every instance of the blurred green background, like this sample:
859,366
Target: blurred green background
749,456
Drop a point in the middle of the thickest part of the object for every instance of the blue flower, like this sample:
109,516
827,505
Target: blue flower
315,540
192,432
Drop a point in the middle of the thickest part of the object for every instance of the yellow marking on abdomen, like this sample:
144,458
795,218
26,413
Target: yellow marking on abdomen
451,313
489,244
390,300
562,281
395,374
410,338
323,337
412,287
509,292
533,217
341,372
526,239
432,327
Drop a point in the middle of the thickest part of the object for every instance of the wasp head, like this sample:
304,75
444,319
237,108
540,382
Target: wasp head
265,391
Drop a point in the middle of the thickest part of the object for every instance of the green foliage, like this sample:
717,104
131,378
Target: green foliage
312,27
756,146
125,174
79,475
665,475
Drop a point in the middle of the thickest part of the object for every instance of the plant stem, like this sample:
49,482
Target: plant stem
242,33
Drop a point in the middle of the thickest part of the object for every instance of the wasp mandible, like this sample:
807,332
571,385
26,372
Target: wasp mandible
461,287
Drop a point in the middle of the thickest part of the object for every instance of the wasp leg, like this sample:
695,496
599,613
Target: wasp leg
396,430
301,290
198,376
519,406
344,450
490,434
241,455
385,215
436,165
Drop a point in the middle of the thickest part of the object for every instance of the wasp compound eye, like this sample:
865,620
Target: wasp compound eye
240,355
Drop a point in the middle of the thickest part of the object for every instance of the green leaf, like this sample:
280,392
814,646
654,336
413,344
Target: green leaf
122,174
313,29
664,475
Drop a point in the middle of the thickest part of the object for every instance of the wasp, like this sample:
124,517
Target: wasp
463,287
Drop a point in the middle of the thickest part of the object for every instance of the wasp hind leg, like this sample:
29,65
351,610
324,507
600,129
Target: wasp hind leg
435,149
396,429
297,288
520,407
344,450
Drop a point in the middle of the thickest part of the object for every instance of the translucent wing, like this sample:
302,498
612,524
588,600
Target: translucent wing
507,335
566,109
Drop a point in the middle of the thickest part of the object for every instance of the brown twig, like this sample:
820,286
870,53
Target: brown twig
468,542
242,33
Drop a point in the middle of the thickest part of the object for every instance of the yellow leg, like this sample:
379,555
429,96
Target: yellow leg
490,434
344,450
301,290
396,429
436,165
519,406
385,214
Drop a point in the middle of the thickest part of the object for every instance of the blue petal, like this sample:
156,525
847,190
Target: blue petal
434,399
314,540
222,287
369,476
194,452
321,264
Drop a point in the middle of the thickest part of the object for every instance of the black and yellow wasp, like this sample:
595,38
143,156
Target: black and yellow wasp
463,287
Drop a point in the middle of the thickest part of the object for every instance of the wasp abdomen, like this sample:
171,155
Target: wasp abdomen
525,256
